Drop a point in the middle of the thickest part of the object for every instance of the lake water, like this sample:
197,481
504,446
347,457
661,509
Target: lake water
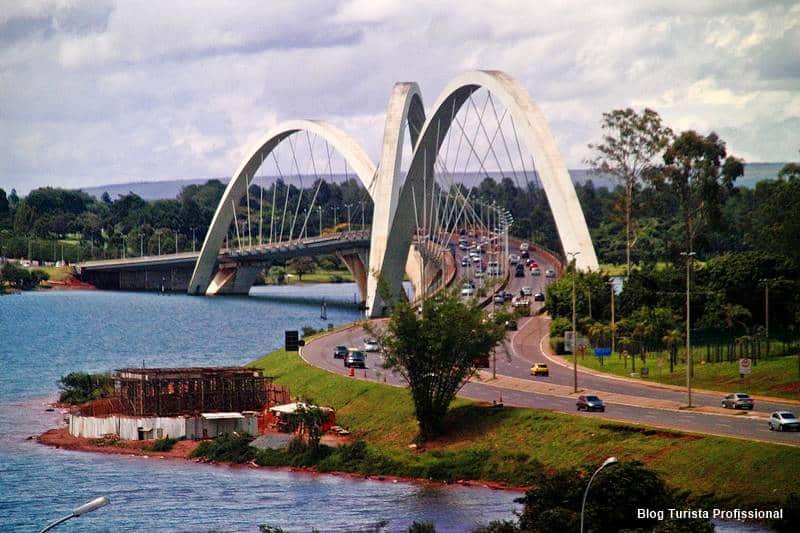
44,335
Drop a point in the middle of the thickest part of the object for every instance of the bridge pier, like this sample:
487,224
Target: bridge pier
356,261
234,279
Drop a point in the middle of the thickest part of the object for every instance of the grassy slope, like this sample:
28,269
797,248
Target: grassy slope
775,377
508,445
56,273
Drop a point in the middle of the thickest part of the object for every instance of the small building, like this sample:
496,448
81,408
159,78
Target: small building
192,403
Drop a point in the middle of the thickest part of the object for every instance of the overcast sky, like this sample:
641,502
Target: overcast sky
103,92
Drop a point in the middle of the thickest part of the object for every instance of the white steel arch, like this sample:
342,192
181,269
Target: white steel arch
535,134
355,156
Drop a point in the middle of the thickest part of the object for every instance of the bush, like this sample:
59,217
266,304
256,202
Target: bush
162,445
308,331
336,278
463,464
421,527
81,387
228,448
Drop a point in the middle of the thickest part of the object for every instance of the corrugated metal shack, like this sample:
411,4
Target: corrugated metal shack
197,402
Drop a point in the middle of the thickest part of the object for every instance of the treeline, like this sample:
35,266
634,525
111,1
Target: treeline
51,223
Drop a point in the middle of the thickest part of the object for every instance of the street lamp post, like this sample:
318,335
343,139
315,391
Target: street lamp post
159,243
124,246
141,245
319,210
348,215
613,325
574,324
335,209
607,462
83,509
193,239
362,214
766,307
689,257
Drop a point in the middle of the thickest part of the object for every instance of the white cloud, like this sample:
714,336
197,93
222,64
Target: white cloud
93,92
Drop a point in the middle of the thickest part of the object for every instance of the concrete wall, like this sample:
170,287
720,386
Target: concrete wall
127,427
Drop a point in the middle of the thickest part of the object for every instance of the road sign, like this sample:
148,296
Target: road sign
745,365
582,341
602,352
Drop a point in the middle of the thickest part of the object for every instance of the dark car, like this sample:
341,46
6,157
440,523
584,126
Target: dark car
524,254
355,359
519,271
465,261
508,296
340,352
738,400
511,324
538,297
589,402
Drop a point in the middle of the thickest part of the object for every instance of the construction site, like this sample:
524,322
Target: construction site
181,403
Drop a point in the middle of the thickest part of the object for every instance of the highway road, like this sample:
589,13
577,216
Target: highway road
626,400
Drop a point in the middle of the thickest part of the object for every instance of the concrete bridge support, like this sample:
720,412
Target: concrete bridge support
356,261
234,279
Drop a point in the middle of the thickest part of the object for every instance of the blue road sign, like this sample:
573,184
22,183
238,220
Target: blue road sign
602,352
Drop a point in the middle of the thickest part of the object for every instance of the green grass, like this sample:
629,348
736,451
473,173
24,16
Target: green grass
56,273
321,276
773,377
512,445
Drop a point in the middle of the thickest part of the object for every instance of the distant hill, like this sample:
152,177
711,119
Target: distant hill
156,190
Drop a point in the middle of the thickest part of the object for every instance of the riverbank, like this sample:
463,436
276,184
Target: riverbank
514,446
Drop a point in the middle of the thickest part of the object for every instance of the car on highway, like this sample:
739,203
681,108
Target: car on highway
531,262
355,359
538,297
526,291
508,296
540,369
513,259
519,271
371,345
511,324
468,291
520,302
550,273
465,261
524,246
499,299
476,259
525,254
340,352
535,271
589,402
738,400
784,421
493,268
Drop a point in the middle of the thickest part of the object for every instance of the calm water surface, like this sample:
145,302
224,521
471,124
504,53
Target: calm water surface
44,335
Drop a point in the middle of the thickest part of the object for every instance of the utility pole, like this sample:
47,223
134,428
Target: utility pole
574,324
176,241
613,325
348,216
689,258
141,245
193,240
159,243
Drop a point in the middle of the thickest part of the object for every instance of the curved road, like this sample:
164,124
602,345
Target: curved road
626,400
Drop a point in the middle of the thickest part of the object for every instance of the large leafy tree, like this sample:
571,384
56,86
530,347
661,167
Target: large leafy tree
435,351
701,175
631,144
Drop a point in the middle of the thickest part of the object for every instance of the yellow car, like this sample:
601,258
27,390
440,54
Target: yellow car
540,369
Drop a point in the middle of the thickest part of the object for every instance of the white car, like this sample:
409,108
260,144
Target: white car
371,345
527,291
550,273
493,269
535,271
520,302
468,291
513,259
783,421
524,247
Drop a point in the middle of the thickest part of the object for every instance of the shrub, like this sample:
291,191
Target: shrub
308,331
228,448
81,387
421,527
162,445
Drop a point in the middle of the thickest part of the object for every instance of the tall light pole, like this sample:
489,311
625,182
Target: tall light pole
319,210
193,239
83,509
141,245
176,241
124,246
689,257
362,214
335,209
159,242
766,307
607,462
348,215
574,324
613,325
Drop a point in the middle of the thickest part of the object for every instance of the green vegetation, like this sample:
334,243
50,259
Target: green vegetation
20,278
436,351
81,387
162,445
516,446
778,377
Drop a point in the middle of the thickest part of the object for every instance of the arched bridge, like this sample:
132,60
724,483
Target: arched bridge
483,125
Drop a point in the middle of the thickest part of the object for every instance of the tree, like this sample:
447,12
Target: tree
436,351
631,143
701,175
672,339
278,274
302,265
